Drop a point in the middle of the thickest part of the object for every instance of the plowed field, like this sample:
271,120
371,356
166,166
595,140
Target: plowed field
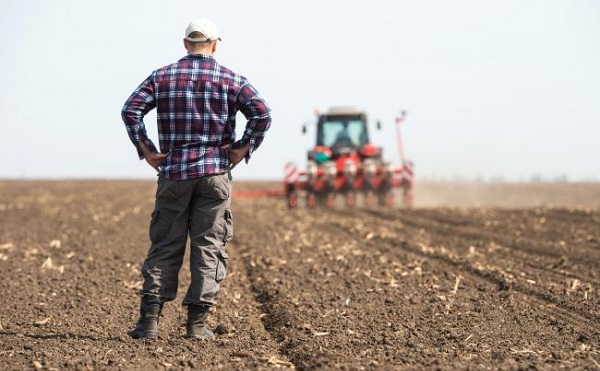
507,278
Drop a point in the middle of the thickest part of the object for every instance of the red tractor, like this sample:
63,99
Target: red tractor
345,162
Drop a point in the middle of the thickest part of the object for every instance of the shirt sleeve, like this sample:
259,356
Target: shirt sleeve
141,101
258,114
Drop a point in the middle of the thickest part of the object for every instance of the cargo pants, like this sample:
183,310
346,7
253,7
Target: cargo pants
199,208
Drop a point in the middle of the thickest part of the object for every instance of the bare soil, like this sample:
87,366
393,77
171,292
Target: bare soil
502,276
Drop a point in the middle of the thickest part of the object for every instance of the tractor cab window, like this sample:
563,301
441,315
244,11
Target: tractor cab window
346,133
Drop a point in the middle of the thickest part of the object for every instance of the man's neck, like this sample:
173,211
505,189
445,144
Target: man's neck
200,52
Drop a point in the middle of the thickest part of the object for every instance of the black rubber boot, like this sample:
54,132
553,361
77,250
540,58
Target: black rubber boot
147,326
196,324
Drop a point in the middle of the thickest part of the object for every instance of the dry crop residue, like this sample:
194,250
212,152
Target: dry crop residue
440,288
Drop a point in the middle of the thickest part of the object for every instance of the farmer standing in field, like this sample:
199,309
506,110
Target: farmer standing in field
196,101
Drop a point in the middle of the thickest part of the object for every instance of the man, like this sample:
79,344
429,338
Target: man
196,101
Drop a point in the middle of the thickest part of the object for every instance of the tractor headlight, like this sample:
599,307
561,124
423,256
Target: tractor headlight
330,169
349,168
311,170
370,167
389,168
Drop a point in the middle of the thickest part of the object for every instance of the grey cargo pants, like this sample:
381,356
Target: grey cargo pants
198,207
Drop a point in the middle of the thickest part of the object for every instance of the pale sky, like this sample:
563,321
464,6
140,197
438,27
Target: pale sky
492,88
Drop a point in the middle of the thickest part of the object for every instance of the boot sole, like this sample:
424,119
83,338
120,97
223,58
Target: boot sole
199,337
143,335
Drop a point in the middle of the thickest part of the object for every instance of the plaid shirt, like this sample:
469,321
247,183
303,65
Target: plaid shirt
196,101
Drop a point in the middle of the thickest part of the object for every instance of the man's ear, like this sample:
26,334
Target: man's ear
185,44
214,47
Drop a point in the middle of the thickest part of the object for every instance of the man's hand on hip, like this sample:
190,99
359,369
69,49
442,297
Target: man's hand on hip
153,159
236,155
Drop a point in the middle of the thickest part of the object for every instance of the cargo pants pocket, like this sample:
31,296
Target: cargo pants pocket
222,265
162,218
159,227
228,226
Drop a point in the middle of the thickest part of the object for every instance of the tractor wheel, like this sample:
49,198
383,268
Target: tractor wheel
408,198
311,200
389,198
292,201
350,199
370,199
386,198
331,199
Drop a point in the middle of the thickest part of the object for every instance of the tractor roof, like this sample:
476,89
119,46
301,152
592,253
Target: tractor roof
342,111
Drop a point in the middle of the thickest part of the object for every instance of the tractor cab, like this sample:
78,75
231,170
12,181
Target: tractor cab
342,133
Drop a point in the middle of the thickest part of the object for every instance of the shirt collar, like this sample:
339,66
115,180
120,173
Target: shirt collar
198,56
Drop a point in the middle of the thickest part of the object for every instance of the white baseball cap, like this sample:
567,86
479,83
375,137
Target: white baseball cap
205,27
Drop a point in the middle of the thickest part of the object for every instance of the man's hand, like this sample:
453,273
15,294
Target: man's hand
236,155
153,159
